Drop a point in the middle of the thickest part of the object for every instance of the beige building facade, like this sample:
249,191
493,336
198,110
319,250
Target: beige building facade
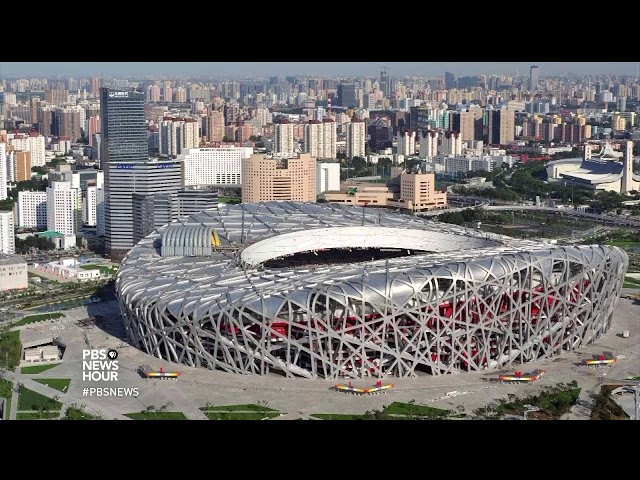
268,178
416,193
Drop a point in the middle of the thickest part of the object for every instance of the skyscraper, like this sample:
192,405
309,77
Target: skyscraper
533,78
123,127
128,170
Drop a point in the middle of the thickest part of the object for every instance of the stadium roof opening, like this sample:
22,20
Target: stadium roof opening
360,237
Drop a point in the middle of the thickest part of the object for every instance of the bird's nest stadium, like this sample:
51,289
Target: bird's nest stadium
328,291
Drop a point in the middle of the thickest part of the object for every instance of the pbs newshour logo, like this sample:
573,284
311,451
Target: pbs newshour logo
99,365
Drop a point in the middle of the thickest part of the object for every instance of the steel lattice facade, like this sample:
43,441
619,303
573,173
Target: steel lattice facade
505,301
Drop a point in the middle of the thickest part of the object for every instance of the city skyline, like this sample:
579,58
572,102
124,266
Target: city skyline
253,69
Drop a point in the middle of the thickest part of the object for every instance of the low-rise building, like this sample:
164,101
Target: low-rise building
13,272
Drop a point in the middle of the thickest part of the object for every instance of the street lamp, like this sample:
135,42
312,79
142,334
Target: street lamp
528,409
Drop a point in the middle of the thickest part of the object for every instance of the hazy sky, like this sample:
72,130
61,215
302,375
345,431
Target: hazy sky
246,69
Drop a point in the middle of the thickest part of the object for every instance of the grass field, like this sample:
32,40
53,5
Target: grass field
631,283
249,411
60,384
77,413
339,416
36,318
30,400
104,269
408,409
157,416
395,411
240,415
11,349
35,369
6,390
37,415
250,407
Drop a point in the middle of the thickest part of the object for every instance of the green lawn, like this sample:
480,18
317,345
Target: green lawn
156,416
339,416
104,269
90,267
6,389
250,407
229,200
395,411
11,349
407,409
37,415
36,318
30,400
631,283
240,415
77,413
35,369
60,384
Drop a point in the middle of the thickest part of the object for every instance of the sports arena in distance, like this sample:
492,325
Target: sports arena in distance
328,291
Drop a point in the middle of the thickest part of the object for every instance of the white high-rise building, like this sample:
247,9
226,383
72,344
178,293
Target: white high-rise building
33,142
100,212
62,208
177,134
8,163
320,139
89,206
452,144
330,138
428,144
356,138
283,139
213,166
3,174
7,233
31,209
328,177
406,142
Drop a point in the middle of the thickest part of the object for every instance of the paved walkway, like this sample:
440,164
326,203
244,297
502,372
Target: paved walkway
14,397
66,398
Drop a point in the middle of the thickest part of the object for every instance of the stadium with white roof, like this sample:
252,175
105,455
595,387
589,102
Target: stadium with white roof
328,291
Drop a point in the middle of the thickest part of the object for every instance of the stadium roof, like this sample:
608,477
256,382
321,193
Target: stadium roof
251,233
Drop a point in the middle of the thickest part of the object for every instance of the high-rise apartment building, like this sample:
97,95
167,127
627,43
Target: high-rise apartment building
356,138
284,138
406,142
89,206
31,142
533,77
451,143
428,143
57,97
63,208
176,134
23,165
215,126
7,233
31,209
501,126
219,166
266,177
3,173
320,138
